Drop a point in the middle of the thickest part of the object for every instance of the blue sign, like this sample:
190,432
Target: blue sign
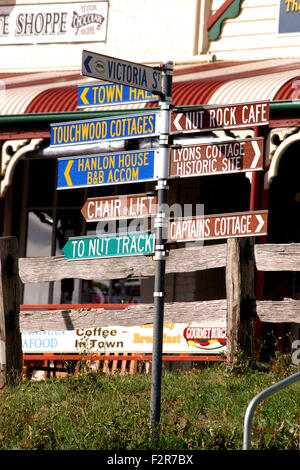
97,130
110,93
102,170
289,17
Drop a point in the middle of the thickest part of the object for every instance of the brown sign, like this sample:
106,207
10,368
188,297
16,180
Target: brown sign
221,117
210,227
230,156
119,207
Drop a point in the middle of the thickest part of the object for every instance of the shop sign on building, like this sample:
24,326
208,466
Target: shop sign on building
289,16
200,338
53,23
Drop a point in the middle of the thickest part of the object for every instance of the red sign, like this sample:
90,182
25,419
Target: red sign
210,227
119,207
229,156
221,117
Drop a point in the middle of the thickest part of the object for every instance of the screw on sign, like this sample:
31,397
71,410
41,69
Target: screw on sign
229,156
221,117
218,226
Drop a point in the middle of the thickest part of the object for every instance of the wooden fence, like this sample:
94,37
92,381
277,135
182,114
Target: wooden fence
241,258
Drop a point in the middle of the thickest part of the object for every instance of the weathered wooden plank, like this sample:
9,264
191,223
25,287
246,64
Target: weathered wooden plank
179,260
240,291
70,319
10,337
278,257
284,311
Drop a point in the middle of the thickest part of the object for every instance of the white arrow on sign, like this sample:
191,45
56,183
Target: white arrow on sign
176,121
256,154
260,223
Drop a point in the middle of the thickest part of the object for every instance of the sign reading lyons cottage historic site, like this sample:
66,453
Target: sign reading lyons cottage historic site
230,156
53,23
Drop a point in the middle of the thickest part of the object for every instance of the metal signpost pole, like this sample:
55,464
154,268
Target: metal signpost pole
161,226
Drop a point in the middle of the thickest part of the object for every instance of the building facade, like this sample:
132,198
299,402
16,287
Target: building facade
223,52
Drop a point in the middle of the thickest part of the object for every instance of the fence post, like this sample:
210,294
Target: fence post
10,335
241,299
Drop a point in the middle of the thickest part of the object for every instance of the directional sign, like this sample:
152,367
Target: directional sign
110,93
109,246
97,130
221,117
119,207
106,169
230,156
210,227
121,71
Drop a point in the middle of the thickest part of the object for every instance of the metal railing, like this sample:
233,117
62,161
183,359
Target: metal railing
257,399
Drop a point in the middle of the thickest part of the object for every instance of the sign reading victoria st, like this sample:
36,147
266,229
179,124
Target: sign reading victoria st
115,70
220,117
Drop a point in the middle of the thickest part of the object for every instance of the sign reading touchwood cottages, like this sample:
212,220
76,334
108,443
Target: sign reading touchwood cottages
190,338
53,23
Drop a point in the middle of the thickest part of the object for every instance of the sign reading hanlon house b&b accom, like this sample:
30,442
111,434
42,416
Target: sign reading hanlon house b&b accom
102,170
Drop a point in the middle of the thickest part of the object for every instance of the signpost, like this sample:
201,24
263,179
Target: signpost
104,94
229,116
119,207
210,227
109,246
104,129
107,169
116,70
230,156
136,82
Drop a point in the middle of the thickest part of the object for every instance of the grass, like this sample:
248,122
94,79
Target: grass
200,409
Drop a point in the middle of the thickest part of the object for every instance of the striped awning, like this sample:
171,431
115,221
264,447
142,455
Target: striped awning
206,83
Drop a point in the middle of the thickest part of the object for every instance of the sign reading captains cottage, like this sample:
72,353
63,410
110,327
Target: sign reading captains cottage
53,23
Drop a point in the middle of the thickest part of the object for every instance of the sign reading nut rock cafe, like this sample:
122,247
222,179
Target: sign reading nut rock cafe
53,23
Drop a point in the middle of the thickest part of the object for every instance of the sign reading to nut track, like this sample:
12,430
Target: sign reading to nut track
228,116
210,227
